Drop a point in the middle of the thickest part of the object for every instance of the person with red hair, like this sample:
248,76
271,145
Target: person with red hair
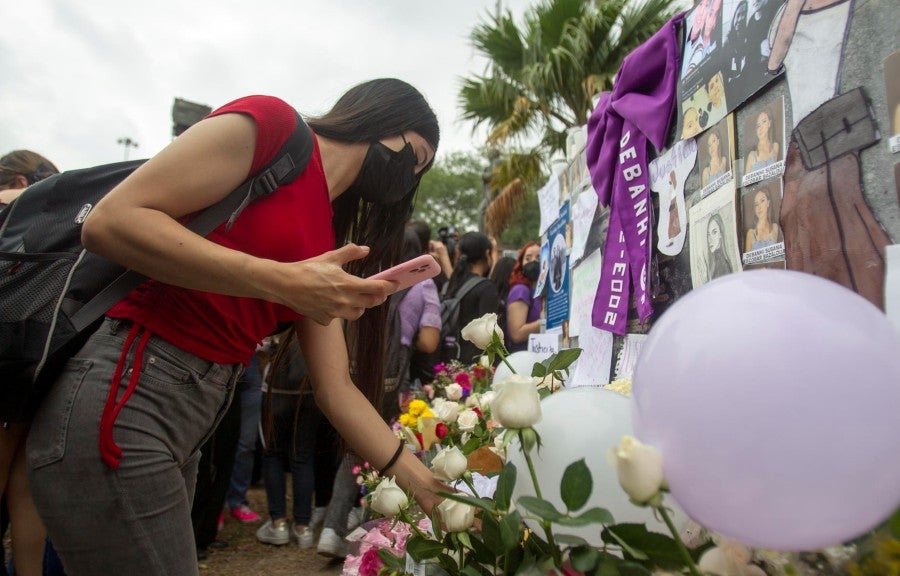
523,309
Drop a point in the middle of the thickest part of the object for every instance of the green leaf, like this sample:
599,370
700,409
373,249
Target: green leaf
448,563
421,549
576,485
505,486
633,569
584,558
894,524
471,571
436,523
464,539
563,359
616,539
592,516
490,533
510,529
540,507
539,370
570,540
652,549
391,561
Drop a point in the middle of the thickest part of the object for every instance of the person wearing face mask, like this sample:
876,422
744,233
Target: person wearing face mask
127,413
523,309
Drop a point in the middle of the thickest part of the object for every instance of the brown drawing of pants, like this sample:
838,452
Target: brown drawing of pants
829,229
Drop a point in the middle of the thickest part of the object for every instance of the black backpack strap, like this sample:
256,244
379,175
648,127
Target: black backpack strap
468,286
288,163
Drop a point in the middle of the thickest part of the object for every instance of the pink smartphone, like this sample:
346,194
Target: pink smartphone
410,272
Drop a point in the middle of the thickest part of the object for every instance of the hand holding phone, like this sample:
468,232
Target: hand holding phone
410,272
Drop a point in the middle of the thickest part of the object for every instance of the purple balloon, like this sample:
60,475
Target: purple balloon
774,397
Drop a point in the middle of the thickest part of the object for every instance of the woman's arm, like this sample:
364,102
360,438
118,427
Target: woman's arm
427,339
135,225
516,314
353,416
784,34
438,250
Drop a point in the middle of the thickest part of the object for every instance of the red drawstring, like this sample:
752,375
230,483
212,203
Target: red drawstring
109,450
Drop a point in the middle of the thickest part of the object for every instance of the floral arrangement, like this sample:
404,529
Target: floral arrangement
479,530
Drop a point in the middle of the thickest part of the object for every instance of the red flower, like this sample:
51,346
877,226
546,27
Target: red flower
478,371
476,410
441,430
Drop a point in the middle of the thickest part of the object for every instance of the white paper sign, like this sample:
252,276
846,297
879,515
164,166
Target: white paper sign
582,216
592,366
545,344
548,197
631,349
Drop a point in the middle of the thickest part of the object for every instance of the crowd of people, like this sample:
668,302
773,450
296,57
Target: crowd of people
261,346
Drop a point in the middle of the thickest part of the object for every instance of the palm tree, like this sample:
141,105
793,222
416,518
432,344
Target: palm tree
542,78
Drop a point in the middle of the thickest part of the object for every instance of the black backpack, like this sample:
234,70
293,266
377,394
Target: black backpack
450,328
396,359
53,293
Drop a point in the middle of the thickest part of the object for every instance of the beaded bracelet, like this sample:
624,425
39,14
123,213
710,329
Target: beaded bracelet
393,459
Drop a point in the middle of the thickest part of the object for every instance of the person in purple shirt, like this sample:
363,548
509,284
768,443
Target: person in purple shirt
523,310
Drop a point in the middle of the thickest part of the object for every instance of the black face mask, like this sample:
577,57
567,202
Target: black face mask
386,175
532,270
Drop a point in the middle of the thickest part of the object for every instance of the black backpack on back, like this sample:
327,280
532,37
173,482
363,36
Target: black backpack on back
53,293
396,359
450,328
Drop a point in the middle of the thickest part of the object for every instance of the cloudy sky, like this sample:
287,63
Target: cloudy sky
76,76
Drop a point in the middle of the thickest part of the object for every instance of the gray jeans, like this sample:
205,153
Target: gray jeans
136,518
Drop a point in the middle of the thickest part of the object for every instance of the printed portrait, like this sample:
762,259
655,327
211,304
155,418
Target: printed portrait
762,137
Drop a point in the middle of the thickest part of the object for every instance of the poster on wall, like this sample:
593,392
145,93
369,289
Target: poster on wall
763,239
668,173
558,272
892,97
763,147
715,150
713,229
584,208
548,201
545,268
725,59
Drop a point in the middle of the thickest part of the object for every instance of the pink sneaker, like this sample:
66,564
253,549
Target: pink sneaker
244,514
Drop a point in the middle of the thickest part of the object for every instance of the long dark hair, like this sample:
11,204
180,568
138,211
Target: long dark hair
472,247
369,112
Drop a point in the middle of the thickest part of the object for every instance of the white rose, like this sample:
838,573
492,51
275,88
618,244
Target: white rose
472,400
467,421
457,517
449,464
729,559
453,391
485,361
485,400
436,404
479,331
388,499
447,412
498,448
639,467
517,403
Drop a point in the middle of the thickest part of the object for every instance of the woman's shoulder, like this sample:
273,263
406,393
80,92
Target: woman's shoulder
275,121
518,292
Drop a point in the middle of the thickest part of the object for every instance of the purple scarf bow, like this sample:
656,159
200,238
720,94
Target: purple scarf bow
638,109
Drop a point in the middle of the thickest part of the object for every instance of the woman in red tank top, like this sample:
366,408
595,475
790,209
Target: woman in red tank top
159,373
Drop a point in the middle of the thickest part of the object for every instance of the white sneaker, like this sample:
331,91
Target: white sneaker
318,516
354,518
275,534
331,545
304,536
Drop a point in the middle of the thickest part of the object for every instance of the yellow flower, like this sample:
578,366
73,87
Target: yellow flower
408,420
417,407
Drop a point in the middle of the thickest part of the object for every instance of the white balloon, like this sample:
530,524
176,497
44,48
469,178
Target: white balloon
522,361
577,423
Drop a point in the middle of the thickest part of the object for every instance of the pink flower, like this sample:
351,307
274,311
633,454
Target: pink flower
371,563
429,391
463,380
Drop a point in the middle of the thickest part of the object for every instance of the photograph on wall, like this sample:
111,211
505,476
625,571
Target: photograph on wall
713,240
558,273
703,36
762,143
715,150
668,173
545,267
892,98
746,29
760,207
724,60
